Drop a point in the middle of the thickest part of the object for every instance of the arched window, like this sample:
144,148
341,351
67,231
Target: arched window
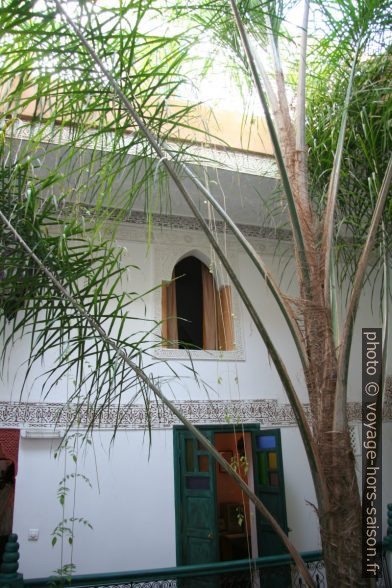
195,314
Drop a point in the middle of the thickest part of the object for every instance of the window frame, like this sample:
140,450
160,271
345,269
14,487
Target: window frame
166,256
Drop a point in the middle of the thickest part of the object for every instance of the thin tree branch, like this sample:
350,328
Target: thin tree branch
281,90
287,131
277,112
261,268
272,97
300,142
345,347
121,353
296,161
280,367
300,121
334,304
295,222
303,425
334,183
165,157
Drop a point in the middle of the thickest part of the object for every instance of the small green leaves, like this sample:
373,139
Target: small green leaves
89,267
64,532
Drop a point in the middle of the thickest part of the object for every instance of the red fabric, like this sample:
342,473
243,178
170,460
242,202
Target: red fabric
9,445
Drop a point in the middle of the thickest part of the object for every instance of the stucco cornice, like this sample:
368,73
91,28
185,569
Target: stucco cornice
208,156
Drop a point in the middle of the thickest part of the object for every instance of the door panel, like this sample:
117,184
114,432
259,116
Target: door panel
197,502
198,550
269,487
196,512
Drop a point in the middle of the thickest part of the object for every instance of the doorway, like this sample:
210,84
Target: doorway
9,448
214,521
237,530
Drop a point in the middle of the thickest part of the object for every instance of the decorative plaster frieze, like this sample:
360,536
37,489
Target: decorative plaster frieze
163,226
136,417
207,156
240,161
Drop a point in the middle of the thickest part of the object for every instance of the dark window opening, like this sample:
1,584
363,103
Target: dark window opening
189,297
195,313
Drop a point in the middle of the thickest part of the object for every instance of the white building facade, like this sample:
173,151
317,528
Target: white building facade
140,492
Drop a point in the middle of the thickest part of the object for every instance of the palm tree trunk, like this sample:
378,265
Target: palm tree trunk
340,524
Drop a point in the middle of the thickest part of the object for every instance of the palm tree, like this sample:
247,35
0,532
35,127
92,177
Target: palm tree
98,71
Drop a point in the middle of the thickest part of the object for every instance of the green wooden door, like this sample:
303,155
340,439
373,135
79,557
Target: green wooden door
196,516
269,486
196,504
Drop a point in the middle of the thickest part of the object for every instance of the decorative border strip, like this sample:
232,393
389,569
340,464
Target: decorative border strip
131,417
235,161
186,223
208,156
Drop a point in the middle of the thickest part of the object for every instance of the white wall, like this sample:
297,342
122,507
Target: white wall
131,505
253,377
300,495
131,502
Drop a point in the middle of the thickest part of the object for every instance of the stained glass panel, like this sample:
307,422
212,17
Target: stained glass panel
189,456
266,442
263,469
272,460
197,483
203,463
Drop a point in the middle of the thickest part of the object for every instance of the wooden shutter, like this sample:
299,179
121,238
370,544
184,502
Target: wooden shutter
225,319
210,338
169,315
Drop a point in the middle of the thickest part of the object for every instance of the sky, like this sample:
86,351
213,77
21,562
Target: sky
219,90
